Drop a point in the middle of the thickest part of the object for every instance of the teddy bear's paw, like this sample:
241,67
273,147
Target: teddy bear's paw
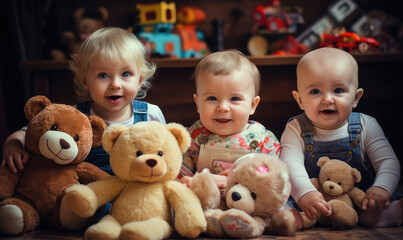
238,227
82,200
12,220
214,227
69,219
108,228
153,228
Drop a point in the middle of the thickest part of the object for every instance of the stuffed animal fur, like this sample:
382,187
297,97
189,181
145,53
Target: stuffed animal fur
146,158
58,139
336,183
254,199
86,22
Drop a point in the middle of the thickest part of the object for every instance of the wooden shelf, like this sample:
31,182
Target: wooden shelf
192,62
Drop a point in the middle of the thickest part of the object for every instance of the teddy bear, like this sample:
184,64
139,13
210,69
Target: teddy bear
58,139
336,183
86,22
254,199
146,158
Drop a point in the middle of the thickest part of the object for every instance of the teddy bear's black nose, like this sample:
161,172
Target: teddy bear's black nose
331,187
236,196
151,162
64,144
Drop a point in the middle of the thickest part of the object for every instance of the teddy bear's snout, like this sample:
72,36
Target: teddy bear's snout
58,146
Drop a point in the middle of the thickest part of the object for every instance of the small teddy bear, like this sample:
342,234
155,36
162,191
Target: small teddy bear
58,138
146,158
86,22
336,183
254,199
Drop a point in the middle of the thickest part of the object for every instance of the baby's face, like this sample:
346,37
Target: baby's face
327,92
224,102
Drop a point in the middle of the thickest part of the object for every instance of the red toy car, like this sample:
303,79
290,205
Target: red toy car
349,41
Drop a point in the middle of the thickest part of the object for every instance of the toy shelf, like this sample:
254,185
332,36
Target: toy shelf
192,62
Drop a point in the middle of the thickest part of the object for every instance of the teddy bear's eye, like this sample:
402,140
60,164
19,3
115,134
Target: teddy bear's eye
159,153
139,153
328,179
53,127
253,195
339,183
76,138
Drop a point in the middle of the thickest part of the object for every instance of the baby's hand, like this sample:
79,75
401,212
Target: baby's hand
187,181
313,204
376,198
14,156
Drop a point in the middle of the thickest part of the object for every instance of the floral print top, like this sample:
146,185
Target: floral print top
256,138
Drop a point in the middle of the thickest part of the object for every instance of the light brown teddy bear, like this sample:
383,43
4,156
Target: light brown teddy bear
336,183
146,158
255,199
58,138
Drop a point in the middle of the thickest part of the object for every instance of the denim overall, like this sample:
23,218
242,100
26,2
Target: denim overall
98,156
347,149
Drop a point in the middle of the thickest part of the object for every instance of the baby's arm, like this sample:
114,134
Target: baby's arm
313,203
14,153
384,162
376,198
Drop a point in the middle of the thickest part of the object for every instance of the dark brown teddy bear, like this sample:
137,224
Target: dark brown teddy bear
58,138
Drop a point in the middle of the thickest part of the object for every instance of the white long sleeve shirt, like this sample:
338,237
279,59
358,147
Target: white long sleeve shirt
374,146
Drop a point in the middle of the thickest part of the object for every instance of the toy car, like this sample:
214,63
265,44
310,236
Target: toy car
349,41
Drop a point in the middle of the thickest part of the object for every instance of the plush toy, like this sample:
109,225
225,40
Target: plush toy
58,139
86,22
146,158
336,183
257,190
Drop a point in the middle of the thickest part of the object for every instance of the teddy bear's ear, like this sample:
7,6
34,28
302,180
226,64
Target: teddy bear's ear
181,135
111,134
322,161
357,175
98,126
78,14
34,105
104,12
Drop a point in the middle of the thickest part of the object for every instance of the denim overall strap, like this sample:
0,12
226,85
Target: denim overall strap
354,128
139,111
97,155
84,107
307,131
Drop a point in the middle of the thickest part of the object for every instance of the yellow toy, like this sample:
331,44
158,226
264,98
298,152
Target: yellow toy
146,158
336,183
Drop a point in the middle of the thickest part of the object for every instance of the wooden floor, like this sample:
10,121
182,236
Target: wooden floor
316,233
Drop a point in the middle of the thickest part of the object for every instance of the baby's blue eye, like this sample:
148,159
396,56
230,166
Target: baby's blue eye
211,98
126,74
102,75
338,90
315,91
235,99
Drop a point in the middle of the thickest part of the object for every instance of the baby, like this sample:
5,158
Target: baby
227,88
327,83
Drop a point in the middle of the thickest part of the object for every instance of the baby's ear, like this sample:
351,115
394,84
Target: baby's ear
255,102
298,99
358,95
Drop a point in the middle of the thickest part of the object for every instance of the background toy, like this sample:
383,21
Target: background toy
146,157
348,41
254,200
336,183
191,38
273,29
156,23
58,138
86,22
